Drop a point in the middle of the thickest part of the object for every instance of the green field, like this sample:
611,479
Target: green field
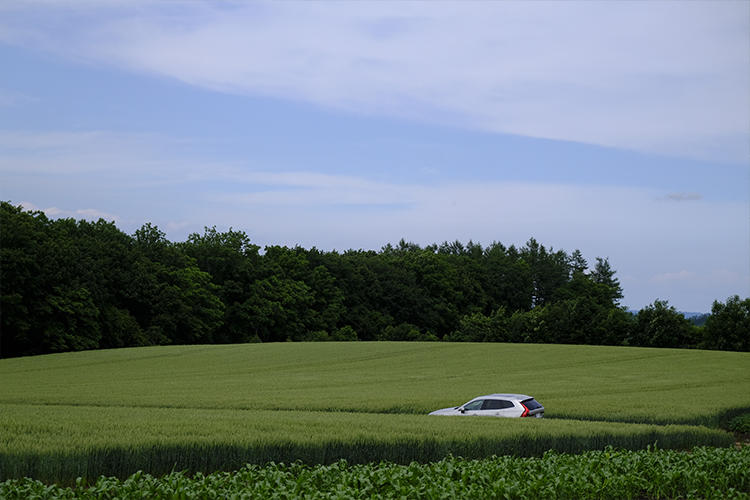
588,382
218,407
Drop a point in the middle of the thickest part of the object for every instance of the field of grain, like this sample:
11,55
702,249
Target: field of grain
588,382
205,408
63,442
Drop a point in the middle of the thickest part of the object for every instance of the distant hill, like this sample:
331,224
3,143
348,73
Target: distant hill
688,315
691,315
696,318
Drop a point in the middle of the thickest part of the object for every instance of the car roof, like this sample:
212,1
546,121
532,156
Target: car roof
519,397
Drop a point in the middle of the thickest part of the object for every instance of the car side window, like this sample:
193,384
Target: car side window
496,404
474,405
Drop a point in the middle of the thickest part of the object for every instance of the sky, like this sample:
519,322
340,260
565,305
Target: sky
621,129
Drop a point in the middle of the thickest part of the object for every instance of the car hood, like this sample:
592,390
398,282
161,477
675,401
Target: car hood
446,411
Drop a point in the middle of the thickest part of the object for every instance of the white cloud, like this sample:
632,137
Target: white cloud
91,214
91,152
94,214
663,77
566,214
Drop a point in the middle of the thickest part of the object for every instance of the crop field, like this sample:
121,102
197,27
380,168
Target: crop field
206,408
583,382
63,442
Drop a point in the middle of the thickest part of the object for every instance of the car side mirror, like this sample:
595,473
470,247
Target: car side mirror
462,410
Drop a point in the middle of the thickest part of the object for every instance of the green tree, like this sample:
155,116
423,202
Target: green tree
472,328
69,321
728,326
170,297
344,334
24,277
316,298
660,325
477,327
186,308
101,263
406,332
279,309
612,327
56,278
120,328
527,326
234,264
550,270
604,275
578,264
506,279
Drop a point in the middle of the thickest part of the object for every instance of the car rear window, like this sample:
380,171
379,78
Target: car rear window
496,404
532,404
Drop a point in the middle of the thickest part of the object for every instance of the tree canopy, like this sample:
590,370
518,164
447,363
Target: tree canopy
70,285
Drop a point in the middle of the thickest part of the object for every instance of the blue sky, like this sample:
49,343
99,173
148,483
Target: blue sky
620,129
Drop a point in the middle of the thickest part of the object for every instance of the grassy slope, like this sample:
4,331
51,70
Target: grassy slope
590,382
217,407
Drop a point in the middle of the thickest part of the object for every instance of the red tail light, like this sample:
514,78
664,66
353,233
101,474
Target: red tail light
525,411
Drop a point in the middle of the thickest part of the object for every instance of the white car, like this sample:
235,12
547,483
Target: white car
497,405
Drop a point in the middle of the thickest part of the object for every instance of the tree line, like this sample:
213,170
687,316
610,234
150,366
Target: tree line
69,285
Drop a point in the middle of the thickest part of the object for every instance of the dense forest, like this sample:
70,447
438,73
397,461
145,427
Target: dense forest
70,285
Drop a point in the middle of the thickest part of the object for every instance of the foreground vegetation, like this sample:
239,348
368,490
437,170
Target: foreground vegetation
740,424
74,285
701,473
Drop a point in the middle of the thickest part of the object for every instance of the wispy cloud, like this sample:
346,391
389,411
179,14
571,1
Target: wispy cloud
683,197
664,77
93,152
92,214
